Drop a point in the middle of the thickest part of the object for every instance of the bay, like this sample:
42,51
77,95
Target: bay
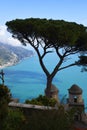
26,79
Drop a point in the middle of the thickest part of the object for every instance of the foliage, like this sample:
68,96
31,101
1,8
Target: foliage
4,99
15,120
39,120
9,119
50,120
83,61
54,33
42,100
4,93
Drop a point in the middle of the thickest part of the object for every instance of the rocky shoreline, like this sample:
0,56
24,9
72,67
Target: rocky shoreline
13,62
10,55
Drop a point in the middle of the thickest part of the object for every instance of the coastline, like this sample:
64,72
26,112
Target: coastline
8,64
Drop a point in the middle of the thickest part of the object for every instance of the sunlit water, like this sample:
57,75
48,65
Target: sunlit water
26,80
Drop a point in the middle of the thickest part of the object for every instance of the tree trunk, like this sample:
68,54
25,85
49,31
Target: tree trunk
48,87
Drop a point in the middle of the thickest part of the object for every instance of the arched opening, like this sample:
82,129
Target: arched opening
77,116
75,99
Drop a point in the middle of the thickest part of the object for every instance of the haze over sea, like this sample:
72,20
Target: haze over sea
26,79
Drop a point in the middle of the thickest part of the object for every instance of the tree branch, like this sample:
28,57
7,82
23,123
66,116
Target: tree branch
73,64
57,51
39,56
72,53
46,53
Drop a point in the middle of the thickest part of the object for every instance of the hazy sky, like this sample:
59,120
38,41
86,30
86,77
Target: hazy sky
69,10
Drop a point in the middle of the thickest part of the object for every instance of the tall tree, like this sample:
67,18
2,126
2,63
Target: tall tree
65,38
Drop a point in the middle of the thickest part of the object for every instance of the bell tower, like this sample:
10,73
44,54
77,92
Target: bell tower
75,100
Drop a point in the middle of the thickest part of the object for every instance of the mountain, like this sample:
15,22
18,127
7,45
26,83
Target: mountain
10,55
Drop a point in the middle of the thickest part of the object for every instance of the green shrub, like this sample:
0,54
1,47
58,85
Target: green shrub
4,93
50,120
4,99
15,120
42,100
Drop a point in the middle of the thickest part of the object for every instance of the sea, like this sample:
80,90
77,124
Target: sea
26,79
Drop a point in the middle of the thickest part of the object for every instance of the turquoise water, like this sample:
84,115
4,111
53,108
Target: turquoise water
26,80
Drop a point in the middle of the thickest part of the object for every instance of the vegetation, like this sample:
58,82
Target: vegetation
31,119
10,119
42,100
20,119
4,99
50,120
15,120
64,38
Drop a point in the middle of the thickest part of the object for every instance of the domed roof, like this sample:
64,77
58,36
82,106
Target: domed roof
53,88
75,89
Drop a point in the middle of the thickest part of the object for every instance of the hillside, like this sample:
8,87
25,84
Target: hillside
10,55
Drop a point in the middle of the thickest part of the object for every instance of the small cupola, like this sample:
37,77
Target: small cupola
75,89
76,101
75,96
53,92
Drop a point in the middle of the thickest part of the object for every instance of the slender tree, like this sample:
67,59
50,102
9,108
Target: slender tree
2,76
64,38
